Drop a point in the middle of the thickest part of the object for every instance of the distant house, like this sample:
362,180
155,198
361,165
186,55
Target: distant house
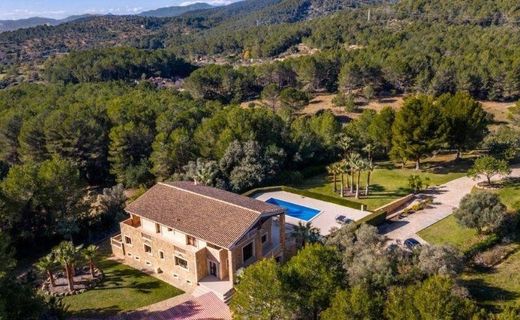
198,235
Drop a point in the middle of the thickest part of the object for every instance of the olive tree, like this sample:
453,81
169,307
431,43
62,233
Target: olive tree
489,167
482,211
443,260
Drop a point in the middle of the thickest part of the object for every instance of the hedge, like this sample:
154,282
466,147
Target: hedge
252,192
319,196
375,218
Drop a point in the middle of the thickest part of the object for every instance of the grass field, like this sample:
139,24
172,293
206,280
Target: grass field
510,195
493,287
497,286
387,183
123,289
448,231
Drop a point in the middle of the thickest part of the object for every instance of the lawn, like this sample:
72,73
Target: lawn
448,231
123,289
510,195
387,184
493,287
497,286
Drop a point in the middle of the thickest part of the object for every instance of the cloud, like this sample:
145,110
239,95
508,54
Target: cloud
26,13
115,10
212,2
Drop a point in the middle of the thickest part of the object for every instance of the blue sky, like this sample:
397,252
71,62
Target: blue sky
17,9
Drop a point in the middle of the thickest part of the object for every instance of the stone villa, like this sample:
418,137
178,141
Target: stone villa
194,235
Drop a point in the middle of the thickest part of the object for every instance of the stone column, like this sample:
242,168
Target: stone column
259,250
231,270
281,221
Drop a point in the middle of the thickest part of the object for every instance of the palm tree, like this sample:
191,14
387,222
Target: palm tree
331,170
369,167
90,254
369,149
342,168
47,265
205,172
67,255
358,165
305,233
345,143
354,160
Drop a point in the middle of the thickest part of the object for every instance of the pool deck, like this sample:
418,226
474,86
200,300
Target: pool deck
325,220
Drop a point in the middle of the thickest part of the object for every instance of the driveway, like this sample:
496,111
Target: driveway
446,198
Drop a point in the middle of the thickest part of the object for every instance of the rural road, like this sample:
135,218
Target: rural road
446,198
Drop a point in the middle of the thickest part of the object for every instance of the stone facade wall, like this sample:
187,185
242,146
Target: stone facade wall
161,259
153,261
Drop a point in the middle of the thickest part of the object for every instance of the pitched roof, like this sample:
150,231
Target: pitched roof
211,214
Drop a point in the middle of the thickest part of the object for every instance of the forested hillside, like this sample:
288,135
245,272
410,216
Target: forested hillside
150,32
104,107
438,47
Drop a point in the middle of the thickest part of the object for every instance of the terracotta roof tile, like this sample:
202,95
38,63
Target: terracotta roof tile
211,214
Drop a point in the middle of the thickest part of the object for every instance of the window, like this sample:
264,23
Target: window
157,228
247,252
129,254
147,249
136,258
181,263
148,263
170,230
191,241
161,254
264,238
128,240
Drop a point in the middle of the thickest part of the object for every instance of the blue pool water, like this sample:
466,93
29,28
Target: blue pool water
295,210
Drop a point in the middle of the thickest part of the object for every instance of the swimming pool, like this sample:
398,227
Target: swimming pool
295,210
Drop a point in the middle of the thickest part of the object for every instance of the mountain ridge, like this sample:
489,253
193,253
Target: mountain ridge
174,11
12,25
164,12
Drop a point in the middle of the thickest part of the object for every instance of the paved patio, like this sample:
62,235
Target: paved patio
183,307
325,220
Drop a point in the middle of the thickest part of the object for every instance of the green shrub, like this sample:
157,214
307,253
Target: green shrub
375,218
482,246
290,177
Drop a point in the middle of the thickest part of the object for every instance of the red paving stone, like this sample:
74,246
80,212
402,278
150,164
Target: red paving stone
205,307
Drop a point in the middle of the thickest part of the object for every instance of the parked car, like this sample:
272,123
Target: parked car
343,220
412,243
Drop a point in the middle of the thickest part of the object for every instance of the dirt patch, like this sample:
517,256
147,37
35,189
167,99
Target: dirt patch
499,110
324,102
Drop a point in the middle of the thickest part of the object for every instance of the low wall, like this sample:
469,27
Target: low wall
391,207
375,219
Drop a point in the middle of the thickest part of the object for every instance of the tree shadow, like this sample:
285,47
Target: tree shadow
391,225
192,309
453,166
343,118
94,313
484,292
377,188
